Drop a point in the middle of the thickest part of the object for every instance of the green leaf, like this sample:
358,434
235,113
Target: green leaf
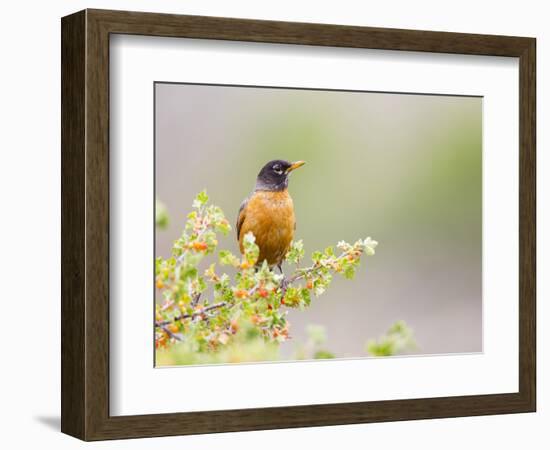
162,219
349,271
228,259
316,256
296,252
292,297
323,354
306,296
397,339
251,250
200,200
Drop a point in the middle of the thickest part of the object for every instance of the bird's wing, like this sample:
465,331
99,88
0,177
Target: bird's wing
241,216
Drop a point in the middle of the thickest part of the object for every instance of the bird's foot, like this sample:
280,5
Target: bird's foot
284,282
284,285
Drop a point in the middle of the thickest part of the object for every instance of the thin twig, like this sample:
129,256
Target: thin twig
167,305
191,316
205,226
169,332
196,299
304,273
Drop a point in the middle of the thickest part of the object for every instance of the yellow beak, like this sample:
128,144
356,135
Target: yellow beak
295,165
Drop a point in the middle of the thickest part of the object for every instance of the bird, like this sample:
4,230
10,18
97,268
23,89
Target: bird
269,213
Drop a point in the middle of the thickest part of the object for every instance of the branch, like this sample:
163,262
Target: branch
196,299
164,328
191,316
310,271
259,294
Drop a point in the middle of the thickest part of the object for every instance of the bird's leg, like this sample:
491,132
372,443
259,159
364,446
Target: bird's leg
284,281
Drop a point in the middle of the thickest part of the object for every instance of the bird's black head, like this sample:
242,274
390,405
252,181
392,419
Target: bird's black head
274,175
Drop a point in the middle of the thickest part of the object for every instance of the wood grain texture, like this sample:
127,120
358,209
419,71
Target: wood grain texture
85,224
527,224
73,108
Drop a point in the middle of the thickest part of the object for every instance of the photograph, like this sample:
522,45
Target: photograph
296,224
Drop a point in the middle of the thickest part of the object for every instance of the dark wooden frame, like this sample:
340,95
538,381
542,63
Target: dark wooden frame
85,224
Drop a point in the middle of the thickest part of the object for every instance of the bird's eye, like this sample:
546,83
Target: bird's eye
277,169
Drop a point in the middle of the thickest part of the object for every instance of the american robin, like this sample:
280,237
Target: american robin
269,213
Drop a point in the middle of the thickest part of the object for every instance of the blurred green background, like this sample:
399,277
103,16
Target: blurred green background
403,169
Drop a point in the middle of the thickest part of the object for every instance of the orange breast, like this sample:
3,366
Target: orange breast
270,217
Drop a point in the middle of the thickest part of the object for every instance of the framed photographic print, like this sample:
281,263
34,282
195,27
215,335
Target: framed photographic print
272,224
